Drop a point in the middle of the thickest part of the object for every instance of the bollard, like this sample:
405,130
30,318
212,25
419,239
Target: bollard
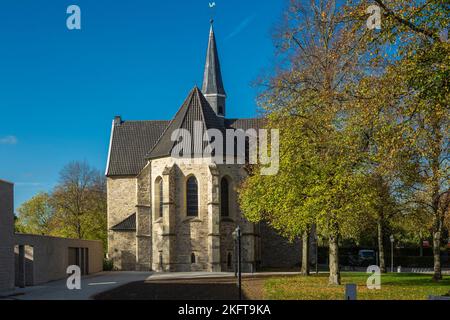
350,292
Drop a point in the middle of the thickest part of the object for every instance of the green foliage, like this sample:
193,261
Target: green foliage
364,118
108,265
75,209
35,216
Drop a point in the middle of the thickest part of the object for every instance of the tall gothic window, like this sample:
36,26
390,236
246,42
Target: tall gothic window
224,198
159,198
192,197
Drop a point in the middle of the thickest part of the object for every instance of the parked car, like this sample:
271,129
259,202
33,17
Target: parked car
367,258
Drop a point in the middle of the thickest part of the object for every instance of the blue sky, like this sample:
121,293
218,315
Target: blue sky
60,89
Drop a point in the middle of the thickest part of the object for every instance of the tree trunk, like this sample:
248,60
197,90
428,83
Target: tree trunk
437,234
305,253
335,275
382,262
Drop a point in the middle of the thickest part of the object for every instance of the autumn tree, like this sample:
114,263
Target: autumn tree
420,68
320,180
76,208
80,202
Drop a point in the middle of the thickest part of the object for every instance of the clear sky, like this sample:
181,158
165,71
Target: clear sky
60,89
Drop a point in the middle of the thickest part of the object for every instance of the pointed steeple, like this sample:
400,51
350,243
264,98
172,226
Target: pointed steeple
212,80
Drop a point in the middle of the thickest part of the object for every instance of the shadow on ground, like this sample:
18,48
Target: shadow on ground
186,289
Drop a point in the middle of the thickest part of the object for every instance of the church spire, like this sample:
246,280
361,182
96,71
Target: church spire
213,88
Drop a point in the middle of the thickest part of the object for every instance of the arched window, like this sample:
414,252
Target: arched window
192,197
193,258
159,198
224,198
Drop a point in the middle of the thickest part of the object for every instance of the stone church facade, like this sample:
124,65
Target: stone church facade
178,215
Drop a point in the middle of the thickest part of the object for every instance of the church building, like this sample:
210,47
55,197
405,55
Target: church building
172,215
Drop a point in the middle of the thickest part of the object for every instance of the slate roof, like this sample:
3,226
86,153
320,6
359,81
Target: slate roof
133,143
194,109
129,224
130,142
212,79
245,124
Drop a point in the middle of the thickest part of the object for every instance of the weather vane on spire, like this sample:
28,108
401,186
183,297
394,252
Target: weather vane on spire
212,6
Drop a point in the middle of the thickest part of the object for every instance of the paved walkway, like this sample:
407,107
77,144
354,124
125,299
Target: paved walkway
211,275
105,281
90,285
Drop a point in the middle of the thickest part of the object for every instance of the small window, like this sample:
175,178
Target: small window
192,197
193,258
224,198
221,110
229,260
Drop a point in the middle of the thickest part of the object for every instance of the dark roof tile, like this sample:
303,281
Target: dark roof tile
129,224
130,142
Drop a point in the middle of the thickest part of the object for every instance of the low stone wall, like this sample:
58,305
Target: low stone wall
6,236
51,256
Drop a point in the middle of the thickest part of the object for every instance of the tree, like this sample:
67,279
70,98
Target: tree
320,156
420,66
35,215
80,202
76,208
375,118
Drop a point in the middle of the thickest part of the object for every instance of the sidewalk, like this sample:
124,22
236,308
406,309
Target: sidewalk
90,285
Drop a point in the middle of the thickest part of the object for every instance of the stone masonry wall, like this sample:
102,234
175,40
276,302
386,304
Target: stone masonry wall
122,201
122,250
144,221
192,235
276,251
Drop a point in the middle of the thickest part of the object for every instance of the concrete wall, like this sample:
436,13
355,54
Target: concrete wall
44,258
50,257
6,236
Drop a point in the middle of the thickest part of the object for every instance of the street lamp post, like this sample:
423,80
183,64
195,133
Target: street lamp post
392,252
237,238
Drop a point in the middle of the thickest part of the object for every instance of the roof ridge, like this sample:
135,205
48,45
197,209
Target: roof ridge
186,101
202,113
192,95
138,121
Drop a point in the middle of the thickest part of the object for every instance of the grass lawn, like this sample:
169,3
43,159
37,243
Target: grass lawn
393,287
